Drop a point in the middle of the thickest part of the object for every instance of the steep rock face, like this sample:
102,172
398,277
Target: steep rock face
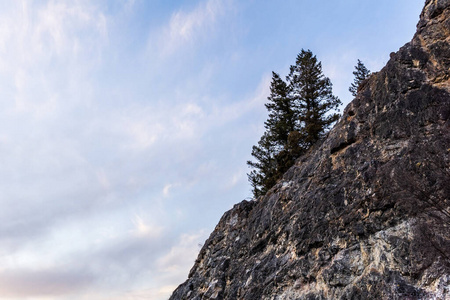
365,214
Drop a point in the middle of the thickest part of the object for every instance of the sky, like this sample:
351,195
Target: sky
125,127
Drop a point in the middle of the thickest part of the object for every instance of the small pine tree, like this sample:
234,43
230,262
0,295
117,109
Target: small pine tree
361,73
263,175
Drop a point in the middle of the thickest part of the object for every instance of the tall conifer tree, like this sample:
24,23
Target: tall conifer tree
313,97
282,120
299,115
282,115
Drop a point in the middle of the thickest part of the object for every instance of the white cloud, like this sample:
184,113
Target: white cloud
185,28
167,189
35,33
143,229
144,133
45,51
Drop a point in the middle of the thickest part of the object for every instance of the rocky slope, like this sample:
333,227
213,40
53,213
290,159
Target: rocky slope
366,214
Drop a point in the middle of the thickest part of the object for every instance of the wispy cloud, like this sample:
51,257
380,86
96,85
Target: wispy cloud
42,284
144,229
185,28
91,186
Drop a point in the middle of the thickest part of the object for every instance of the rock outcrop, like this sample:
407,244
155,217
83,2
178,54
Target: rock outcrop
366,213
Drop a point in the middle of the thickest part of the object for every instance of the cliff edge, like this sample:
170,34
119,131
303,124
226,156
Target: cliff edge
366,213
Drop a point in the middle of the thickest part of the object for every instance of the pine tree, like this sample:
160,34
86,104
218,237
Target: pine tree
262,177
282,116
299,115
361,73
313,97
271,150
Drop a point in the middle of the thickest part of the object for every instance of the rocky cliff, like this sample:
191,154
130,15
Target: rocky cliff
366,213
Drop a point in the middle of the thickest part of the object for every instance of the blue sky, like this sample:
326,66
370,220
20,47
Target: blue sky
125,127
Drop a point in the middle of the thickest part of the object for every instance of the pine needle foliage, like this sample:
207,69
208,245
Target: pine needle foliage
313,98
301,110
361,73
